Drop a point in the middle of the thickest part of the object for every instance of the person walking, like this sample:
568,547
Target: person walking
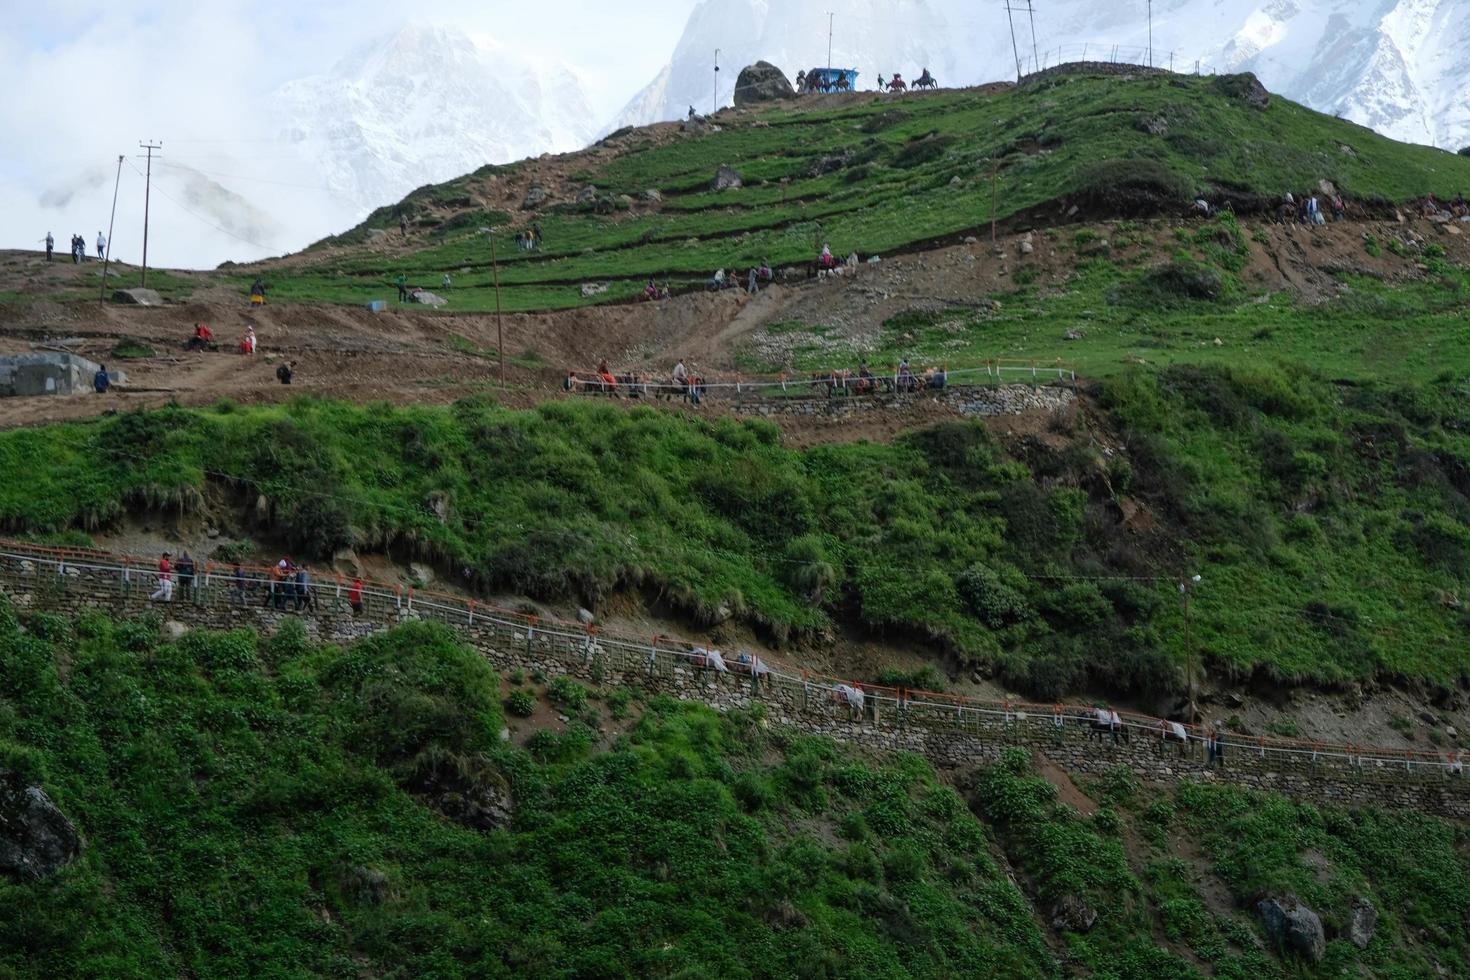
165,591
186,575
50,246
285,372
354,595
237,594
305,598
402,283
101,245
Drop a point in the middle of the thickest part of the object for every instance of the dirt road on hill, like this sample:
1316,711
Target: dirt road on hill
410,355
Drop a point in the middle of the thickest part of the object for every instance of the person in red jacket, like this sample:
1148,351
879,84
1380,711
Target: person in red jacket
354,596
165,590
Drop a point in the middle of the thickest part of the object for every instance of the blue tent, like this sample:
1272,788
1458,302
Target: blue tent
825,79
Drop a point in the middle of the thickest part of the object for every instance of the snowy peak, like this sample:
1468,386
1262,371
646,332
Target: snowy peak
426,104
1397,66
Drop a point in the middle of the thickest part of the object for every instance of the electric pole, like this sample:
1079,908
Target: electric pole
1186,586
715,105
831,17
107,255
147,189
499,317
1016,51
1150,33
1031,12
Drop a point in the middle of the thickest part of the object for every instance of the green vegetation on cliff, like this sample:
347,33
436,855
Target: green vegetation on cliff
265,806
877,176
1330,522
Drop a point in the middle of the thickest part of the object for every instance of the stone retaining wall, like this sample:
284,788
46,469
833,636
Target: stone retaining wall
967,400
947,738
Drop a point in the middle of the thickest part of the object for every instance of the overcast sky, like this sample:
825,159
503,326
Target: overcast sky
85,82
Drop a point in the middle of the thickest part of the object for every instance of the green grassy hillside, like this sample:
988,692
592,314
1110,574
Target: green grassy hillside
264,807
1329,522
912,170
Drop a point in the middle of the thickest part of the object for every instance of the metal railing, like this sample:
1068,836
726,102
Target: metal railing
1116,54
52,574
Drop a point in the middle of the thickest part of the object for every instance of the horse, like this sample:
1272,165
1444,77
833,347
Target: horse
842,84
927,81
897,85
850,696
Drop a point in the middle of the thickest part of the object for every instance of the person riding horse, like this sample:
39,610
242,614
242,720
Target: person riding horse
897,84
926,80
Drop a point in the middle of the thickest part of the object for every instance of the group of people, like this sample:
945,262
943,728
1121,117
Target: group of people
903,380
286,584
683,383
1308,208
1457,209
186,570
78,247
762,273
529,240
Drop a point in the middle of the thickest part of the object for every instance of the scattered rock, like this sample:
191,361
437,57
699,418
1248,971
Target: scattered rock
426,298
421,572
1219,342
955,181
535,197
652,196
971,240
138,297
594,288
587,195
173,630
585,617
438,504
1452,731
36,839
762,82
1347,149
1071,914
726,179
831,164
211,533
1362,921
1234,699
1293,927
1072,335
1154,126
504,734
1428,718
1027,248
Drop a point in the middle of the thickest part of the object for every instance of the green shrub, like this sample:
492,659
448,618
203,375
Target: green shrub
521,703
567,693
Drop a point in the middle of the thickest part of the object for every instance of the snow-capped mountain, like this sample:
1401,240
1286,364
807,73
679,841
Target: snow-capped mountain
1398,66
425,105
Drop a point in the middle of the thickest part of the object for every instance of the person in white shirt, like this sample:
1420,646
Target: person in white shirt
101,244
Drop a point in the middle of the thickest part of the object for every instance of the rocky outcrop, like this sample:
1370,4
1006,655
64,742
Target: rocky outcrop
1246,87
137,297
36,839
535,197
1362,922
762,82
1293,927
1071,914
726,179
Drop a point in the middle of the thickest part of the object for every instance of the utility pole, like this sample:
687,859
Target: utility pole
499,316
1016,51
147,189
1150,33
715,105
831,17
107,256
1031,12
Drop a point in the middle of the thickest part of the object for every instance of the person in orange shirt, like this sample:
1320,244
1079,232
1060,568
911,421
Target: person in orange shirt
165,590
354,596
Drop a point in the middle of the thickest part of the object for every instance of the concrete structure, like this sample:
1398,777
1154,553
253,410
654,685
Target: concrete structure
49,374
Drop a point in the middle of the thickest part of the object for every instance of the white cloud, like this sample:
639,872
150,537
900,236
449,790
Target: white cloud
87,82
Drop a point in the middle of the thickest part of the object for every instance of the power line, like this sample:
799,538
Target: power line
257,180
199,217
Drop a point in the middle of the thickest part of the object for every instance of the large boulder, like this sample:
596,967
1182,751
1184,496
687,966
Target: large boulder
762,82
1071,914
536,196
137,297
1293,927
36,839
1246,87
726,179
1362,921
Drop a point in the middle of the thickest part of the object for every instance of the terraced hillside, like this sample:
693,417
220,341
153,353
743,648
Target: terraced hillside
867,174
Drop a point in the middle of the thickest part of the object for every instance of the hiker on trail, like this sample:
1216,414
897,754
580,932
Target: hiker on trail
905,376
717,281
825,260
237,592
165,590
285,371
100,381
681,376
445,282
354,595
402,284
520,241
186,574
403,226
650,291
604,373
247,342
1314,212
801,81
50,246
766,273
1431,206
750,286
692,113
1215,744
202,338
101,245
76,254
1459,208
305,598
535,236
1200,207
